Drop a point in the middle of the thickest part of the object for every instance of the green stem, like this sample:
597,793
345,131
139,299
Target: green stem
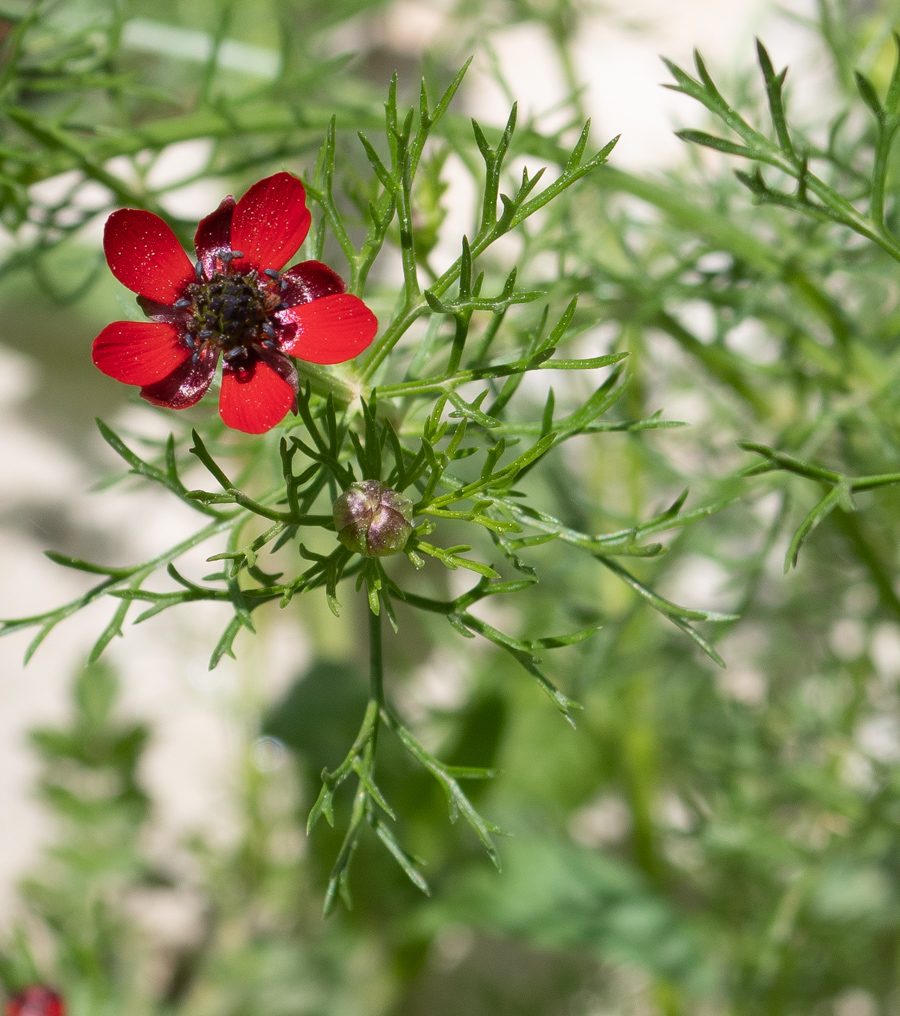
871,482
885,140
360,758
376,677
407,238
325,382
640,763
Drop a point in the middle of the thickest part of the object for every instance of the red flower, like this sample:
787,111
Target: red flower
235,301
36,1000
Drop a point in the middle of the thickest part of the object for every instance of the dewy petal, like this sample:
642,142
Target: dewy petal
308,281
213,237
139,352
145,255
254,398
270,222
283,366
330,330
187,384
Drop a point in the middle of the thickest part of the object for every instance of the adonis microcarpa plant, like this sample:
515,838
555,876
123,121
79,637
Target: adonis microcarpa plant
709,839
427,428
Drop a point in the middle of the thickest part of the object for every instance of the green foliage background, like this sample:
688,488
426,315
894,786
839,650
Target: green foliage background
707,840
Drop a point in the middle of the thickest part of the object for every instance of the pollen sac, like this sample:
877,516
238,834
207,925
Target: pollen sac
373,520
232,312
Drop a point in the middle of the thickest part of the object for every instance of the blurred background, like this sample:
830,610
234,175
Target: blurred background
708,841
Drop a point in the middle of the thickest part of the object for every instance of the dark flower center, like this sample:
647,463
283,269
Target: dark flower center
232,312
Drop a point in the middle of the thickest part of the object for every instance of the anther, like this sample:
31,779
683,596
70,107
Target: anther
189,339
181,304
207,334
283,285
235,354
198,269
272,273
230,255
269,330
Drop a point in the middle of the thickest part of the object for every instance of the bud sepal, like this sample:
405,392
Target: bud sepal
372,519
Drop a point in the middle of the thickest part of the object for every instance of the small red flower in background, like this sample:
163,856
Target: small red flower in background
236,302
36,1000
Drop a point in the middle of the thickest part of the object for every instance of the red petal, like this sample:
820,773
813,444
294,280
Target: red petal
255,398
139,352
213,237
36,1000
186,384
145,255
330,330
283,366
310,280
270,222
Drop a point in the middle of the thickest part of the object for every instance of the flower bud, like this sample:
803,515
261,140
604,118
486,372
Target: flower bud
36,1000
373,520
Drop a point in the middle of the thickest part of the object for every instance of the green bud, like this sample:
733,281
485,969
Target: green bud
373,520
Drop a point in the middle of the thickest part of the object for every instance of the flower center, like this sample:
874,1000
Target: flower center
232,312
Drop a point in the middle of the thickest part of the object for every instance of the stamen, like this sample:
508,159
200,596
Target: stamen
283,285
272,273
189,339
181,304
198,270
229,312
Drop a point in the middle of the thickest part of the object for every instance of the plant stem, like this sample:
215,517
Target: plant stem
376,679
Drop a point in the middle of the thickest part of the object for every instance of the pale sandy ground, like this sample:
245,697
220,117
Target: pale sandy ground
191,765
